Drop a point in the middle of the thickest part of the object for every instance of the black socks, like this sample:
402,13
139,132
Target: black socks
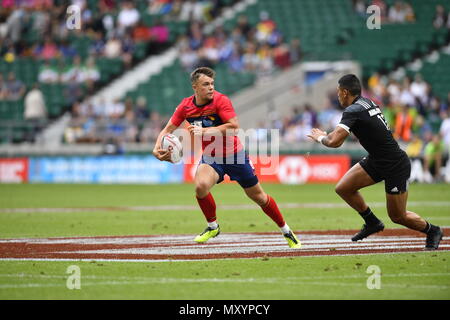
369,217
430,228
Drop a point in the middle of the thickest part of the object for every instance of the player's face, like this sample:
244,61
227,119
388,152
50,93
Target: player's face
342,96
204,88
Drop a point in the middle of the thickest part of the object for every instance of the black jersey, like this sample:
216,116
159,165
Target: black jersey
365,119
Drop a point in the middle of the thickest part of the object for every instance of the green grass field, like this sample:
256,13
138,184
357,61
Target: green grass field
421,275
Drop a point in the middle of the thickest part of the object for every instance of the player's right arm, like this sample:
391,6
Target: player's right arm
332,140
336,138
158,152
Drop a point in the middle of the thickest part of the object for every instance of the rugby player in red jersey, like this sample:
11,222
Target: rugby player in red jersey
214,111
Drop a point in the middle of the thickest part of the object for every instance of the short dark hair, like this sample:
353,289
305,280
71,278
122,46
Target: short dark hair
351,83
202,70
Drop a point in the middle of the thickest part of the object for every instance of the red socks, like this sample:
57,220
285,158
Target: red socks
208,206
271,209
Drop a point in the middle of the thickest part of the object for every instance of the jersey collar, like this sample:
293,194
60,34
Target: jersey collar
202,105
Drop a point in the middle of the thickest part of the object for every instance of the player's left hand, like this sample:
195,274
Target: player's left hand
316,133
195,130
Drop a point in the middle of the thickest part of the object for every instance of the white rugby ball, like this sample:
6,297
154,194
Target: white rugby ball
172,143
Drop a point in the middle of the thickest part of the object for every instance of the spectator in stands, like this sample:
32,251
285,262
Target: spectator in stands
73,91
295,51
265,27
41,21
141,33
141,112
48,73
159,7
265,61
433,157
235,63
3,91
360,7
128,17
74,72
440,18
15,23
14,87
47,50
159,32
35,108
403,123
244,26
195,36
188,58
128,48
281,55
152,128
97,46
410,15
383,8
194,10
414,147
114,109
419,89
129,120
445,106
67,50
406,97
113,47
250,58
444,130
401,12
90,71
394,91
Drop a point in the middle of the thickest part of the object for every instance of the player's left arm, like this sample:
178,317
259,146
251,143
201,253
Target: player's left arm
332,140
228,128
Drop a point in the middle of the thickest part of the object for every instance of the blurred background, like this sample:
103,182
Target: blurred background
84,103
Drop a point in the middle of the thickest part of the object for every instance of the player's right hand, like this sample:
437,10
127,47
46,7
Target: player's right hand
162,155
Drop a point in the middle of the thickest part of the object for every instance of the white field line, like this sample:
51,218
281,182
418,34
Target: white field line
170,260
288,281
229,238
224,240
202,252
330,205
272,280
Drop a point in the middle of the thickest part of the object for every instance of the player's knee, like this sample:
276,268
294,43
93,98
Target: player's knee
259,198
340,190
201,189
398,219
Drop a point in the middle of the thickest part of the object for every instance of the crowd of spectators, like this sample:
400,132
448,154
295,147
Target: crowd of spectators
399,12
120,121
256,48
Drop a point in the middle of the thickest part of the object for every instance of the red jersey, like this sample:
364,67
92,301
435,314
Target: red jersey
215,113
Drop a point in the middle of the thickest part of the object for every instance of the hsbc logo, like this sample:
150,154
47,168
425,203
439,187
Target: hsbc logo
294,170
300,170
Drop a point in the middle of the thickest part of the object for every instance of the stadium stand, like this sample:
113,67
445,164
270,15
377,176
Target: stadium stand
265,38
35,42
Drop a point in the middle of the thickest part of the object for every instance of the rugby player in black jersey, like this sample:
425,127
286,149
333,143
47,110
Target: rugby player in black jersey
386,161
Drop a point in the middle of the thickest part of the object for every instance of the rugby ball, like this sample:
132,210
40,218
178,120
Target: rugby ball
172,143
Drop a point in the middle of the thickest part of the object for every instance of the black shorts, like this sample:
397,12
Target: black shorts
395,173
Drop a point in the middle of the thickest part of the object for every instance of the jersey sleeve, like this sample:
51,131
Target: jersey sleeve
178,116
226,110
348,120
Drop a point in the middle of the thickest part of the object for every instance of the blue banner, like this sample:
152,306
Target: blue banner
104,169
